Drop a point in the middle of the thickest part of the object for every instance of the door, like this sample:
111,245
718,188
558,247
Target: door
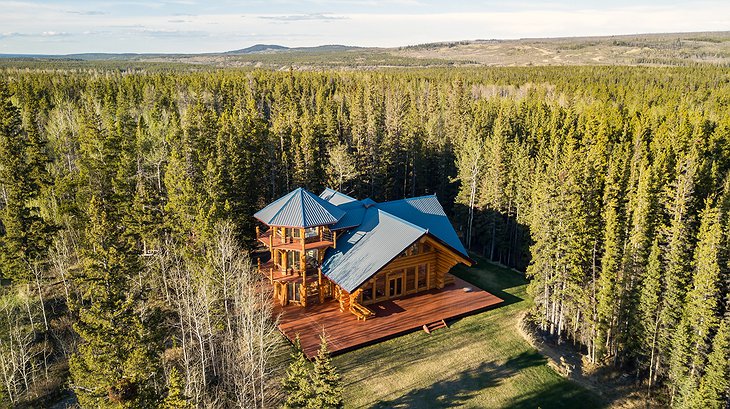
395,287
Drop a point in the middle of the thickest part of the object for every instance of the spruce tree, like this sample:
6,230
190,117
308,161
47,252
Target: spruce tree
116,363
176,398
326,385
715,383
296,384
678,267
692,343
24,234
609,292
650,304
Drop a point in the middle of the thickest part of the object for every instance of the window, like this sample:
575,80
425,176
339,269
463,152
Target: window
410,279
422,276
296,233
313,258
311,232
293,290
367,293
426,248
292,260
380,286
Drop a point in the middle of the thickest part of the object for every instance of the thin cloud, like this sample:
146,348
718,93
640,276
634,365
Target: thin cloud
87,12
305,17
12,34
54,34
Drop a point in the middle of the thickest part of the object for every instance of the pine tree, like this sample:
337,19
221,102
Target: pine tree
176,398
326,385
296,384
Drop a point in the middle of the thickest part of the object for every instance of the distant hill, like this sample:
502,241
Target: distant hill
258,48
668,49
269,48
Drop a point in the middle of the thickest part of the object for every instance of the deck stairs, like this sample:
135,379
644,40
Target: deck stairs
429,328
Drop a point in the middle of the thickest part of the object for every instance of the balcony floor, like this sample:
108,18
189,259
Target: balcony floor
293,244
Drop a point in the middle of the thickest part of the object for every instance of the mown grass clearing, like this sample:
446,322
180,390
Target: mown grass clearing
481,361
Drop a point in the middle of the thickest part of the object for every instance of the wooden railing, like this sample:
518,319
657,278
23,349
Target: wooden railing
274,237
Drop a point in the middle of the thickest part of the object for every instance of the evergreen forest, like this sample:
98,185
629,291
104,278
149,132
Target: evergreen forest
126,203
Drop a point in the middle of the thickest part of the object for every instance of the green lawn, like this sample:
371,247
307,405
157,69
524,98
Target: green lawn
481,361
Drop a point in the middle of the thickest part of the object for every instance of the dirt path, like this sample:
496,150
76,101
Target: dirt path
618,389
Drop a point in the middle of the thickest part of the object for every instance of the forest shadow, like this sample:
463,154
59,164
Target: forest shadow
465,386
496,236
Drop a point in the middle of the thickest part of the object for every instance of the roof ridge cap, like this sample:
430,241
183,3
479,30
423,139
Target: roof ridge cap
402,220
286,202
304,211
405,199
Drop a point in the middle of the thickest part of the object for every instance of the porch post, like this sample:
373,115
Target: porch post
319,281
303,266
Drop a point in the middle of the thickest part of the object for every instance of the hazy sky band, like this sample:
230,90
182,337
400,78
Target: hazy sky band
190,26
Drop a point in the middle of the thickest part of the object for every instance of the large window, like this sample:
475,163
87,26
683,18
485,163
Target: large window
380,286
367,293
422,276
292,260
410,279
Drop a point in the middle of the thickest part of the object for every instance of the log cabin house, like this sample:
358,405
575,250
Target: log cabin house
357,252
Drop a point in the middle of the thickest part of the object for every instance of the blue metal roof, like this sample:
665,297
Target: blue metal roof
426,211
378,232
300,208
354,213
364,250
335,197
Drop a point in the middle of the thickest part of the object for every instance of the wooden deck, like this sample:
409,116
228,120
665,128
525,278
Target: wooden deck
393,318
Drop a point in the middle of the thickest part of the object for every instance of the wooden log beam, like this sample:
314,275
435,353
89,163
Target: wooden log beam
303,263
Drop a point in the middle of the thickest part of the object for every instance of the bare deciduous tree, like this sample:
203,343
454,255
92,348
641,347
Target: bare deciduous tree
226,330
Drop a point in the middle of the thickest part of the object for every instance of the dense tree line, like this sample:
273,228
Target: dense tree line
126,199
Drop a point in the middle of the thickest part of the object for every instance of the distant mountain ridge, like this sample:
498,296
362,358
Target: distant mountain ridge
257,48
654,49
269,48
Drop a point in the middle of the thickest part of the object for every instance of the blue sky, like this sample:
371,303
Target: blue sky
193,26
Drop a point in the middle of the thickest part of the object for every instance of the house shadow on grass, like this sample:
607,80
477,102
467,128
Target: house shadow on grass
492,278
460,390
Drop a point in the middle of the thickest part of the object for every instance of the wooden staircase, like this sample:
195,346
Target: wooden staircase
429,328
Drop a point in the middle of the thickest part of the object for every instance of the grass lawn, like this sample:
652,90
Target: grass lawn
481,361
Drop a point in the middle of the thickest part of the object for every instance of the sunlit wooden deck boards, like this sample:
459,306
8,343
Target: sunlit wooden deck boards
393,318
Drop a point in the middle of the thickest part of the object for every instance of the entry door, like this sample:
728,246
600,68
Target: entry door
395,287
